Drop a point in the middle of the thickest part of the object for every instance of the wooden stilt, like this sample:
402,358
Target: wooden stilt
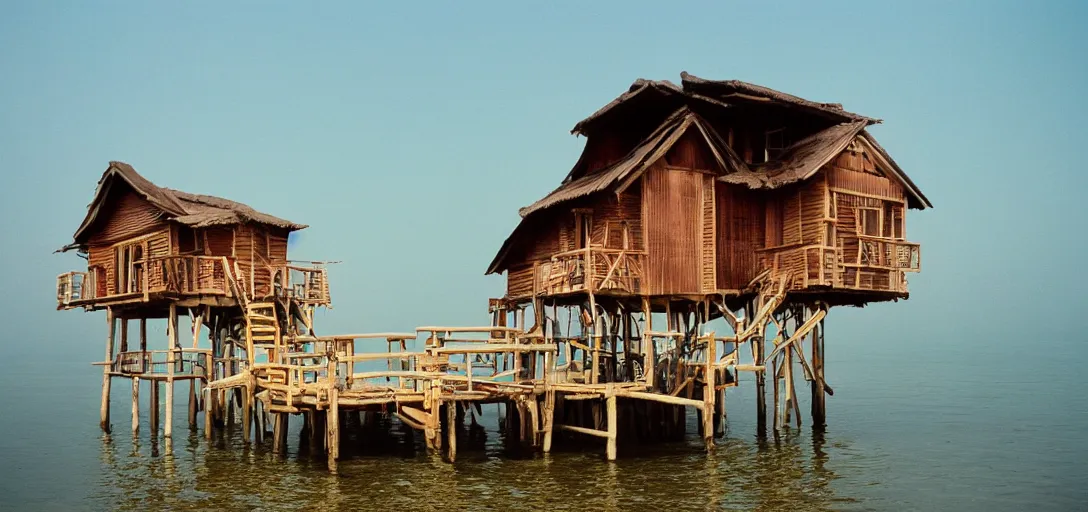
135,405
247,411
104,411
610,450
819,413
172,343
549,419
451,430
209,406
153,408
279,433
332,427
709,393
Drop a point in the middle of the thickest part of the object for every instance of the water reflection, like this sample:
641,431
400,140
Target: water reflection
386,468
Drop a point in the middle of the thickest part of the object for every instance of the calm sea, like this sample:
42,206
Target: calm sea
915,424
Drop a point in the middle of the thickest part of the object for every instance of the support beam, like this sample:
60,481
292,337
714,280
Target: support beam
104,411
153,408
172,344
451,430
613,427
819,412
135,406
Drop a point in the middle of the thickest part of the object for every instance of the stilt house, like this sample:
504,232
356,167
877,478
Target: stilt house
710,189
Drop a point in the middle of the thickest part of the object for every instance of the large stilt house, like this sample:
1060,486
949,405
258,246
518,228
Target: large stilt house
711,187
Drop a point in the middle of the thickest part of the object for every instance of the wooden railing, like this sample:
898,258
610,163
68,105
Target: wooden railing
591,269
74,287
185,362
873,263
308,285
889,254
185,275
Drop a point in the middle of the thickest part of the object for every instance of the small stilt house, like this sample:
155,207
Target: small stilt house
706,189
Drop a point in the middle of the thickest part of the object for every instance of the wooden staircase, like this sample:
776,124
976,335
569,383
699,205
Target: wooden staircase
262,330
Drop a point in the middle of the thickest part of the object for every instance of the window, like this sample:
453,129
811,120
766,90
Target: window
869,222
775,143
583,227
189,241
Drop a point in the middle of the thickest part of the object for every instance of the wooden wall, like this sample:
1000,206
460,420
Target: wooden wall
130,216
740,233
673,213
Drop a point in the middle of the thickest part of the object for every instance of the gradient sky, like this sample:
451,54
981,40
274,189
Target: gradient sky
408,136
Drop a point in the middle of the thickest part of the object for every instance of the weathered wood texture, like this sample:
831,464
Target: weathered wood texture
673,213
739,235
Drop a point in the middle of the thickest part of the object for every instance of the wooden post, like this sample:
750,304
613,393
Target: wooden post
172,343
819,413
279,433
153,408
610,451
332,427
198,324
209,398
247,409
709,393
104,412
135,405
759,354
451,428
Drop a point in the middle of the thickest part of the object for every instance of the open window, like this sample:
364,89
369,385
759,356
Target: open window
869,222
129,261
583,227
774,144
189,241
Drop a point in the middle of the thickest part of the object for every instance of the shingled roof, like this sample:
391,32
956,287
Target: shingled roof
192,210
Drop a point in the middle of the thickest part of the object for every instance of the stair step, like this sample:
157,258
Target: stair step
266,318
264,337
263,328
254,305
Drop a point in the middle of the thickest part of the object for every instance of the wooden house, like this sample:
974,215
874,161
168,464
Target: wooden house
147,246
711,188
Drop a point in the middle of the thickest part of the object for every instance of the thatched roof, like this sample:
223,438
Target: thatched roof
730,91
192,210
631,166
799,161
620,175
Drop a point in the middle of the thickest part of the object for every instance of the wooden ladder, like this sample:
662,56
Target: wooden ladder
262,330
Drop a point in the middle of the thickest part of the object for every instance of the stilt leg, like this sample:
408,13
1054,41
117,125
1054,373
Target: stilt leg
610,451
549,419
104,411
153,409
451,430
332,427
135,405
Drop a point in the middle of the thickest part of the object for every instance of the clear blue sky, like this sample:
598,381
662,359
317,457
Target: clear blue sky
407,136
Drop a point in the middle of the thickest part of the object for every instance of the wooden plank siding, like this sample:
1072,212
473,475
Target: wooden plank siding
740,233
672,209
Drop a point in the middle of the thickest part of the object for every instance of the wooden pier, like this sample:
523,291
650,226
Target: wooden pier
705,233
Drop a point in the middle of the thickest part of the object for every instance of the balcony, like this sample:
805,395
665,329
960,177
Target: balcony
861,263
155,277
593,269
179,363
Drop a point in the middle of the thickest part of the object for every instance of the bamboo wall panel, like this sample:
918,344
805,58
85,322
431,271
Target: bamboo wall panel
220,241
691,152
708,242
130,215
673,211
610,214
101,257
865,182
740,226
519,282
813,207
277,246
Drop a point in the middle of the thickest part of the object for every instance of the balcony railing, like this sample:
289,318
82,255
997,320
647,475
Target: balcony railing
185,275
889,254
74,287
185,362
861,263
591,269
309,285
